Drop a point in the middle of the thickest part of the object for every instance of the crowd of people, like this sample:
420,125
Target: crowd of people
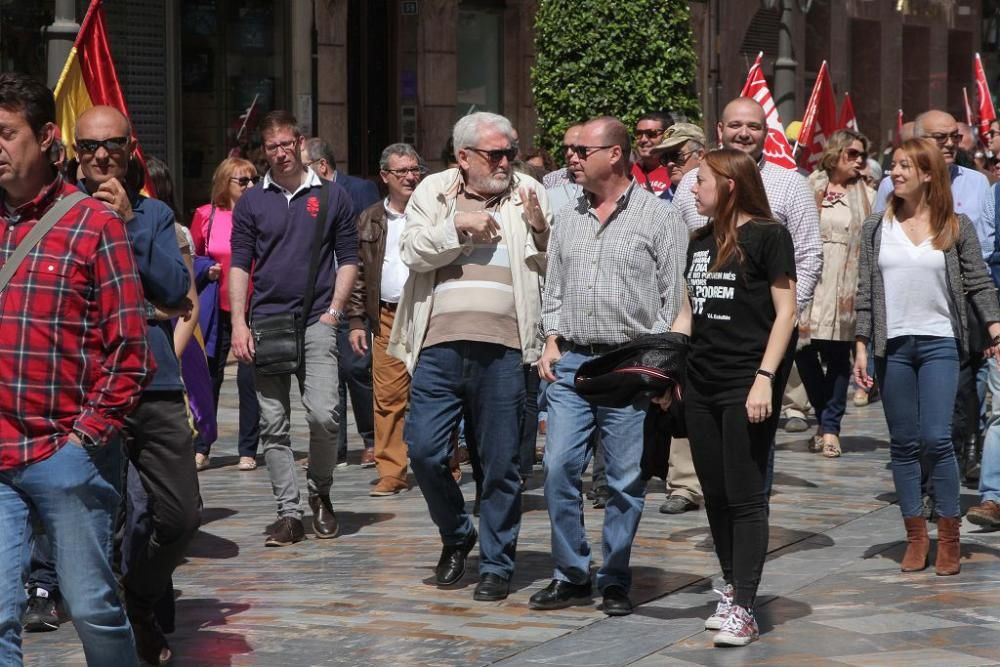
459,312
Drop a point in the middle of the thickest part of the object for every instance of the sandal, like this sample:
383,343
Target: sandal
200,461
816,444
831,446
247,463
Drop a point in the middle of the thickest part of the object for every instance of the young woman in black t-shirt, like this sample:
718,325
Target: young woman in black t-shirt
741,280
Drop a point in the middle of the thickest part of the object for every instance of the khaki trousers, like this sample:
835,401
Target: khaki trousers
794,402
681,478
391,393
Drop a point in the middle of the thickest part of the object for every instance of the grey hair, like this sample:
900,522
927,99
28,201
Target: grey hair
400,149
318,149
468,129
875,168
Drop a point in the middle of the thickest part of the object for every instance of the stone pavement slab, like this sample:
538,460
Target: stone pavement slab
832,593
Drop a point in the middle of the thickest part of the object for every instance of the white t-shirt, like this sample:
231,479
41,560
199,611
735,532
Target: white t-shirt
394,272
916,285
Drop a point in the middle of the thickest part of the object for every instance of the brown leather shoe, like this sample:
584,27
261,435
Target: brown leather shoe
986,513
368,457
917,544
325,524
284,532
949,550
387,486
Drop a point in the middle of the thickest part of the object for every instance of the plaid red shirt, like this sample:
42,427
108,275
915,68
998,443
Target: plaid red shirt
73,351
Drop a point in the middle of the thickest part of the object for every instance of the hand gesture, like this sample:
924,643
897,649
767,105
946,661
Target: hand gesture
112,194
359,341
547,362
533,210
215,272
480,226
242,342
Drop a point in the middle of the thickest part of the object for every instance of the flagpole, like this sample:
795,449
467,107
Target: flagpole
247,119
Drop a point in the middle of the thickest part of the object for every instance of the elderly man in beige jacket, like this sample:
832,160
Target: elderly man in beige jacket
468,320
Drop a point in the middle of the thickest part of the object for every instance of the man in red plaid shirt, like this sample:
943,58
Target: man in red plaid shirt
73,361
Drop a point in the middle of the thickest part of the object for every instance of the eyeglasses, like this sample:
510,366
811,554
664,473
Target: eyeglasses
678,159
286,146
584,152
649,134
244,181
942,138
312,162
853,154
402,173
111,144
494,156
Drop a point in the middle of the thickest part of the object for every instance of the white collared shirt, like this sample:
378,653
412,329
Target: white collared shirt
309,179
394,272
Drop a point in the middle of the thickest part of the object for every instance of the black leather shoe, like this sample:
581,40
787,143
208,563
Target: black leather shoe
451,565
559,594
491,587
616,602
150,643
286,531
325,524
601,496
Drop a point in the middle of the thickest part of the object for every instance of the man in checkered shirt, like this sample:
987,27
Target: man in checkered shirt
615,272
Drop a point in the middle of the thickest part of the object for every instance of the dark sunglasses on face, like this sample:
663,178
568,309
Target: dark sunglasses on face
853,153
111,144
494,156
244,181
649,134
678,159
583,152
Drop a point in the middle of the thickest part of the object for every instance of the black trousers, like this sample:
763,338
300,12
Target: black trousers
731,458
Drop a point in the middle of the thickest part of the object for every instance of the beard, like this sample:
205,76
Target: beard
490,184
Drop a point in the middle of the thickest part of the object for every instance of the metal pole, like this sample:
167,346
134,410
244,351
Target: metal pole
60,36
785,65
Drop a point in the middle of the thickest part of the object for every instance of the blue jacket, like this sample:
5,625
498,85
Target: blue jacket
165,279
363,192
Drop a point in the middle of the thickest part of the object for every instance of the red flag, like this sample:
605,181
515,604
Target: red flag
899,129
848,119
987,114
89,79
776,146
820,119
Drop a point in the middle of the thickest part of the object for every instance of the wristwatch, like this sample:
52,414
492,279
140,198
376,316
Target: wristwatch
338,315
86,441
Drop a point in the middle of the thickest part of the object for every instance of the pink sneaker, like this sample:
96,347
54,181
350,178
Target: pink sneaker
739,629
722,609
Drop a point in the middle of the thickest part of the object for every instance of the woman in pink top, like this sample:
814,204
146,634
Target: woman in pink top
211,228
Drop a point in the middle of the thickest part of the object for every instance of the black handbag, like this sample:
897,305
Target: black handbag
280,340
647,367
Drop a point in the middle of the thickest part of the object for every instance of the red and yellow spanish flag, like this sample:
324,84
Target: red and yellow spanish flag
89,79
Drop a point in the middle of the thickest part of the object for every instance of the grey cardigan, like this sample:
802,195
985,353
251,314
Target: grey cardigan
966,274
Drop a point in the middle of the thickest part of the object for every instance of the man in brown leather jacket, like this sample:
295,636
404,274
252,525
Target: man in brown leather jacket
381,277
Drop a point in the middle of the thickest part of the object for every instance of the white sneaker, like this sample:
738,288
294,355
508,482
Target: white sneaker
739,629
722,609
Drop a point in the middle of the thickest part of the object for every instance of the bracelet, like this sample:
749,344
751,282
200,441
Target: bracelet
768,374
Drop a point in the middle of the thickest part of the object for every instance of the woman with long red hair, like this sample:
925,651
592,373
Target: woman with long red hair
741,280
919,264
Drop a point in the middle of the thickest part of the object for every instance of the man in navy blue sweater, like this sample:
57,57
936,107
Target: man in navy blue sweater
274,225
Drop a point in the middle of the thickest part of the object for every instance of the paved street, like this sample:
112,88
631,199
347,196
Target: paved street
832,592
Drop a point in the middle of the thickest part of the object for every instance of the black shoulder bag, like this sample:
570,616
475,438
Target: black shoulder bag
279,340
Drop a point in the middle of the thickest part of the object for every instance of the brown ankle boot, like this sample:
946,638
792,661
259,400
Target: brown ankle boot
948,550
917,544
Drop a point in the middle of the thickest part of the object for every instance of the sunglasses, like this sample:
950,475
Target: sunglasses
678,159
853,153
942,139
494,156
244,181
111,144
649,134
583,152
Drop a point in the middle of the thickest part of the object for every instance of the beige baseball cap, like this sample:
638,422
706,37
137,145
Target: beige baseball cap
677,135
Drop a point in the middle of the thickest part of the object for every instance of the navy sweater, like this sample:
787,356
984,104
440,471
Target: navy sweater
275,237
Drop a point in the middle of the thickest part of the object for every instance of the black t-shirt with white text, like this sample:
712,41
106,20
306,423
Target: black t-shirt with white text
732,306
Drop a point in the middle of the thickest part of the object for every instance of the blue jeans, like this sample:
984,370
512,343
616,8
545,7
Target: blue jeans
827,389
355,374
989,476
75,496
919,380
485,382
571,424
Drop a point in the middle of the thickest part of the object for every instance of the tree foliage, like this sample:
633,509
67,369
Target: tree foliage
617,57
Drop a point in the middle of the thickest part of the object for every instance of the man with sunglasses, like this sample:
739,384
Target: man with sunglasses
157,437
647,170
466,324
354,373
680,151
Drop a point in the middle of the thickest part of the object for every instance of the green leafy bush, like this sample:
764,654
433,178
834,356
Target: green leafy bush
617,57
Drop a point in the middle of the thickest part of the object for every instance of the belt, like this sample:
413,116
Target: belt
592,350
388,305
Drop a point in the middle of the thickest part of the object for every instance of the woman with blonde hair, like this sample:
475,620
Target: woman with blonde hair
211,228
919,264
844,201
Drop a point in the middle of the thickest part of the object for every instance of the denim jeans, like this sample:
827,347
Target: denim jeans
571,424
354,375
485,382
529,429
989,476
827,389
75,495
317,377
919,380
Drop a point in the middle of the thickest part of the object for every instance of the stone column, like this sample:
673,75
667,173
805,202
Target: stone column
60,36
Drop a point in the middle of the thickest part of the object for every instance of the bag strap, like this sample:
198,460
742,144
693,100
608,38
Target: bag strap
208,232
41,228
324,200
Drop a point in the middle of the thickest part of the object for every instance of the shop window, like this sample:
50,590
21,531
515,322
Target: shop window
480,60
